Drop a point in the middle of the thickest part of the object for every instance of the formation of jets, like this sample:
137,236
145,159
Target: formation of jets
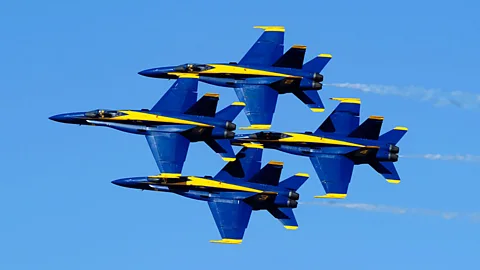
242,186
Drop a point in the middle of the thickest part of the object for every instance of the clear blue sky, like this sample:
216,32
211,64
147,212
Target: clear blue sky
60,211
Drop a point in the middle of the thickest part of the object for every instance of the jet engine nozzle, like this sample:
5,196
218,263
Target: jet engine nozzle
292,203
229,134
316,85
317,77
392,157
230,126
394,149
293,195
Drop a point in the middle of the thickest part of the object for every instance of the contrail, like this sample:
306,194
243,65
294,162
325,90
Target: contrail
464,158
475,216
461,99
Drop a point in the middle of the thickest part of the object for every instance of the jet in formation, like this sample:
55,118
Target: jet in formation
260,76
238,189
171,124
337,145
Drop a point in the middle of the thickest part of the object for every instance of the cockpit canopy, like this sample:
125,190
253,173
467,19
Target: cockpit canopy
103,114
270,135
192,68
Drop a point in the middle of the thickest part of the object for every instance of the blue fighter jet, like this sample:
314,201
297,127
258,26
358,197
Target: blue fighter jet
176,120
260,76
238,189
337,145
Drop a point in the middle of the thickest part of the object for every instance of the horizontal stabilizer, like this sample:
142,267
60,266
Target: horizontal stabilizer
318,63
344,119
294,182
394,135
222,147
369,129
293,58
247,163
205,106
231,112
269,174
387,170
285,216
311,99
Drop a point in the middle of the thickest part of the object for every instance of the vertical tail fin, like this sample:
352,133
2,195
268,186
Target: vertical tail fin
269,174
293,58
387,170
294,182
369,129
311,99
205,106
318,63
247,163
231,112
343,119
285,216
394,135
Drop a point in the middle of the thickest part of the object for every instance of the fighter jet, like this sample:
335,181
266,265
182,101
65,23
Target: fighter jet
260,76
337,145
173,122
240,187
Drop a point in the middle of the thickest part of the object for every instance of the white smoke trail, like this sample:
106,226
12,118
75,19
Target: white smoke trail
466,100
475,216
464,158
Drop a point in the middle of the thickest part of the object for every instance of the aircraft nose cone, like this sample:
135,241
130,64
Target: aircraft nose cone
153,72
119,182
59,118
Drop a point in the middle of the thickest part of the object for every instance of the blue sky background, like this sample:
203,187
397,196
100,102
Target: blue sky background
59,209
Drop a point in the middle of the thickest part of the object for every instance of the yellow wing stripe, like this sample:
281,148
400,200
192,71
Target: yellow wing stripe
271,28
393,181
253,145
291,227
348,100
302,174
273,162
325,55
227,241
256,127
296,46
400,128
212,95
238,103
228,159
317,109
332,196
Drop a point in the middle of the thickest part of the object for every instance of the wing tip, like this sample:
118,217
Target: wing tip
227,241
239,103
331,196
273,28
274,162
302,175
299,46
376,117
229,159
401,128
325,55
317,109
393,181
214,95
291,228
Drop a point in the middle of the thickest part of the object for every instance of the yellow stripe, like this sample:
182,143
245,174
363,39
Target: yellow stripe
317,109
184,75
238,103
348,100
400,128
257,127
228,159
303,47
326,55
228,69
291,227
376,117
166,175
141,116
302,174
227,241
393,181
253,145
304,138
271,28
212,95
273,162
202,182
332,196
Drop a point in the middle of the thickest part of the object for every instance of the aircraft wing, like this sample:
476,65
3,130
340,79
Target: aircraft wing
260,102
179,98
267,49
231,217
335,172
344,119
169,150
